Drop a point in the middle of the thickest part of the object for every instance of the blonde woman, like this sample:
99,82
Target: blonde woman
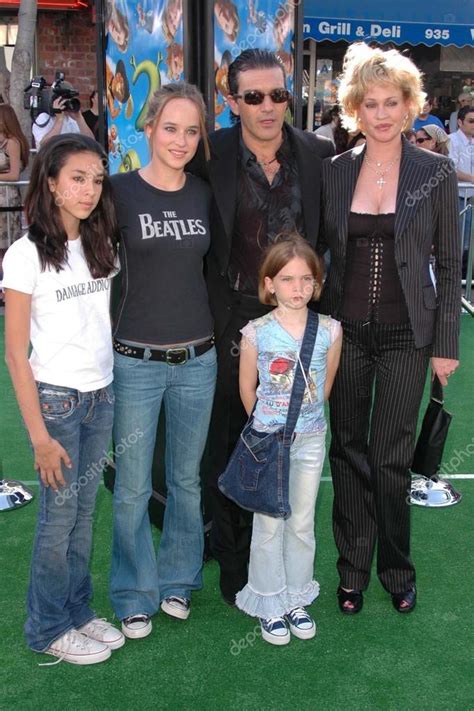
385,203
164,356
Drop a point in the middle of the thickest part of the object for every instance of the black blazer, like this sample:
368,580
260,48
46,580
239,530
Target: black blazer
222,173
426,216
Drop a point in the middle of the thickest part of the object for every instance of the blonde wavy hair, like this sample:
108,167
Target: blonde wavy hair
365,66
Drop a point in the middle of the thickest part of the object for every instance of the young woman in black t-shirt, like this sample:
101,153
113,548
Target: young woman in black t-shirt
164,354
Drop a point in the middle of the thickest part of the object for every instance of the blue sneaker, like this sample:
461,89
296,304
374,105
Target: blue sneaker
275,630
301,624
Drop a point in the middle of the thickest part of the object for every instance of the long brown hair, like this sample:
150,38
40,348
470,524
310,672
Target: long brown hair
10,126
99,231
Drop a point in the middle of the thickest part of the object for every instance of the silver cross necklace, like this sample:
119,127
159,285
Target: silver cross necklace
376,167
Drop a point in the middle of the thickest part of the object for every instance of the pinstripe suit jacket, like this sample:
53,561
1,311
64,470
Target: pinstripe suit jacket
426,216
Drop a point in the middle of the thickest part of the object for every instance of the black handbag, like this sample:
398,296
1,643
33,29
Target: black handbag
258,472
432,438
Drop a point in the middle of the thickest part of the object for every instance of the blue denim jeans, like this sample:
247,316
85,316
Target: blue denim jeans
60,584
139,578
282,551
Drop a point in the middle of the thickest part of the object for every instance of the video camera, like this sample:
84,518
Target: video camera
39,96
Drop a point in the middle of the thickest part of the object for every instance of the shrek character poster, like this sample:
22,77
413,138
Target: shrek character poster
247,24
144,51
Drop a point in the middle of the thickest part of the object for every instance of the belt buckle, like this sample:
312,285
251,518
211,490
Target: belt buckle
176,356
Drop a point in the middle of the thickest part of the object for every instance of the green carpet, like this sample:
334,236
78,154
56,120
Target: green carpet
376,660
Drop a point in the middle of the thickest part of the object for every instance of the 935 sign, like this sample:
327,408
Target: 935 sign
437,34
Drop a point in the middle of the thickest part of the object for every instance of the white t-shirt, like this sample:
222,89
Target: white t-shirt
461,152
70,125
70,319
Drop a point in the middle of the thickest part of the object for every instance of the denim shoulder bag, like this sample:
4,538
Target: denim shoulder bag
258,473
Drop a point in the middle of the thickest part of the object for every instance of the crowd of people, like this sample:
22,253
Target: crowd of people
219,243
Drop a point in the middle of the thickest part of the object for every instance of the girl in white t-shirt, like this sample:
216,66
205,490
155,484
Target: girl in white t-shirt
57,285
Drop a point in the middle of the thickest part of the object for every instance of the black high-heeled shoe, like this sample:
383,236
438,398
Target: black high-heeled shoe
354,597
404,601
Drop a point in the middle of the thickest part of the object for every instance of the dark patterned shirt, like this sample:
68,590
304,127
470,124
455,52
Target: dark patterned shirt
263,212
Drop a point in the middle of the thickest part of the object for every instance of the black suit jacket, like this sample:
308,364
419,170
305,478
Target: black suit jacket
426,216
222,173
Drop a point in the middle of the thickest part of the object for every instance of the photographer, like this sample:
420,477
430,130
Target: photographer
63,121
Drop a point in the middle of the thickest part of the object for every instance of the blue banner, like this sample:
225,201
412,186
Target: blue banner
353,30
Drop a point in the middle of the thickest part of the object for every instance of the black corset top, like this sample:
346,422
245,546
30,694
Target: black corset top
372,288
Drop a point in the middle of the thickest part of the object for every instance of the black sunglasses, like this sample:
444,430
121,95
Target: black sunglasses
253,97
422,140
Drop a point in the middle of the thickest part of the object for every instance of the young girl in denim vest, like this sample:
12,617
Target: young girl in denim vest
281,583
57,284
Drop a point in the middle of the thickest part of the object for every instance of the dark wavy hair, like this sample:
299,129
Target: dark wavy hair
99,232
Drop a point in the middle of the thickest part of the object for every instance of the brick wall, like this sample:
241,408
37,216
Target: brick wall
67,42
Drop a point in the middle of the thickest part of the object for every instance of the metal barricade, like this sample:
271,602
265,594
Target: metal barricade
9,210
14,231
467,222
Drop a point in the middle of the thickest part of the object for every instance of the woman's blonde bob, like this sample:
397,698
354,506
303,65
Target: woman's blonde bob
365,66
277,256
177,90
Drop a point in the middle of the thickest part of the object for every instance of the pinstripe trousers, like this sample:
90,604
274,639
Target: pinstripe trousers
374,407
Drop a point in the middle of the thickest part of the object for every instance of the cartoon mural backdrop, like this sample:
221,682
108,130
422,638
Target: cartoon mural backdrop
245,24
144,50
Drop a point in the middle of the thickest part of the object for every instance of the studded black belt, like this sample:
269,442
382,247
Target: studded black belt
172,356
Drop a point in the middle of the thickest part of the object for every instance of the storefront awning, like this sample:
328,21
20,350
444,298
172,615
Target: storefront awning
448,22
47,4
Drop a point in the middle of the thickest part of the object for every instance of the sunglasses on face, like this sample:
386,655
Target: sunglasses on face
253,97
422,140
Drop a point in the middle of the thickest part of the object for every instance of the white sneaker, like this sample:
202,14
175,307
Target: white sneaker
301,623
103,631
136,626
76,648
275,630
176,607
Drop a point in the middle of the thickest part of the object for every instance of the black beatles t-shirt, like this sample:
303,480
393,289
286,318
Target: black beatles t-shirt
165,236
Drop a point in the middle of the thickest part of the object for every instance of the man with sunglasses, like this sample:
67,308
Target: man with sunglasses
265,177
461,152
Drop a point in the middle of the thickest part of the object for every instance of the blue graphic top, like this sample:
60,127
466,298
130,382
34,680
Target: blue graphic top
277,360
